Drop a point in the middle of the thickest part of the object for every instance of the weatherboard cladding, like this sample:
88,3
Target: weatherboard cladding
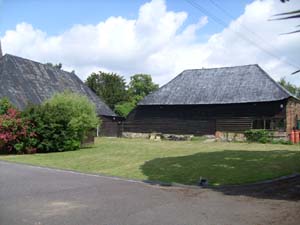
24,81
227,85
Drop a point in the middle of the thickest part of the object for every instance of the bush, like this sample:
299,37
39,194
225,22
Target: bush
62,122
261,136
5,105
282,142
16,133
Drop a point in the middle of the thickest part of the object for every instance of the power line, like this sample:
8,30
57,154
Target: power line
250,31
223,24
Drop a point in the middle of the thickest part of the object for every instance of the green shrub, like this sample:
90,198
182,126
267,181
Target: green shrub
5,105
282,142
261,136
62,122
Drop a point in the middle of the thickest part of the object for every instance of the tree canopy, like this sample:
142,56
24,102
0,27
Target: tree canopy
141,85
293,89
111,87
119,96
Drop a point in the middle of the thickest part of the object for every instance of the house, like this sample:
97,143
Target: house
206,101
24,82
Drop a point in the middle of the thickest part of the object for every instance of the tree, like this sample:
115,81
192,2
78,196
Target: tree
109,86
124,108
141,85
293,89
57,66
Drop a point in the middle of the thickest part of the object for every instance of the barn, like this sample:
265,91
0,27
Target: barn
206,101
24,82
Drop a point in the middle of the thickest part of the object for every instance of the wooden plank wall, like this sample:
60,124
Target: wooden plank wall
234,124
173,126
110,127
200,119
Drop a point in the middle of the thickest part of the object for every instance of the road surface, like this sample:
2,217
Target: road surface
40,196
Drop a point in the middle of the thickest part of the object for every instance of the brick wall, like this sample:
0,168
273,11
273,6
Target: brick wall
292,113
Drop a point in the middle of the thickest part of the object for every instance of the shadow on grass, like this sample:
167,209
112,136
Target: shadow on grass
230,167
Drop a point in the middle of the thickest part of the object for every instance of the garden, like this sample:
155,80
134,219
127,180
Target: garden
59,126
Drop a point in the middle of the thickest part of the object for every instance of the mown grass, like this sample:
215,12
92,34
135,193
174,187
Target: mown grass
170,161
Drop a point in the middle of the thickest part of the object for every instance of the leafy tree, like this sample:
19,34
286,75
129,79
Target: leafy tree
123,109
109,86
290,87
141,85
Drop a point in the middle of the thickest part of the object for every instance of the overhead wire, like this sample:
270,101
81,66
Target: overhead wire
240,35
252,32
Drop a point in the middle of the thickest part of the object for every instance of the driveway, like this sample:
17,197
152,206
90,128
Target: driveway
40,196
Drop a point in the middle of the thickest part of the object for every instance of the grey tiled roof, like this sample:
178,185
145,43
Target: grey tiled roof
25,81
240,84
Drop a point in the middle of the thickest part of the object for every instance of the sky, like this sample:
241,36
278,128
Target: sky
157,37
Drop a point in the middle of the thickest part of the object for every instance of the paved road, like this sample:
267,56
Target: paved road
40,196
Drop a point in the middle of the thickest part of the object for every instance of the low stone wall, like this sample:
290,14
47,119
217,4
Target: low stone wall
135,135
158,136
280,135
219,136
229,136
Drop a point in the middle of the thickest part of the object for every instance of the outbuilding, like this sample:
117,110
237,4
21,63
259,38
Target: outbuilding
24,82
210,101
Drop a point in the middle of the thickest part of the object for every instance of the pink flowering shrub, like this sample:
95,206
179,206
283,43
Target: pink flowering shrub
16,134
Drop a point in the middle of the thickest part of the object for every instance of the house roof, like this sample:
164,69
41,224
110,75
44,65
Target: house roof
227,85
24,81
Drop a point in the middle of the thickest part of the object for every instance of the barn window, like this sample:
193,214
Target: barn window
258,124
268,124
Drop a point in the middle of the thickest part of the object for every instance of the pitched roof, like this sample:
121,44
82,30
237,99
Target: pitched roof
240,84
24,81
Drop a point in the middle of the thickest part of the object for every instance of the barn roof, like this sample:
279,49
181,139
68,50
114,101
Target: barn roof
227,85
24,81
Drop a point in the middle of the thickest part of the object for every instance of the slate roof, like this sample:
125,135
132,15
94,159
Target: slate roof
24,81
227,85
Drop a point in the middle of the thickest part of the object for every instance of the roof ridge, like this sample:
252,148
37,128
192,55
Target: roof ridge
223,67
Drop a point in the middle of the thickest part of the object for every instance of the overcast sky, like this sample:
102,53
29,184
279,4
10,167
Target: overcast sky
157,37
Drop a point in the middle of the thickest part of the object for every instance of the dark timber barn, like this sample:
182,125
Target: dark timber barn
204,101
24,81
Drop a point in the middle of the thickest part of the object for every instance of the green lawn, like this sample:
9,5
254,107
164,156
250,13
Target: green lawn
181,162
